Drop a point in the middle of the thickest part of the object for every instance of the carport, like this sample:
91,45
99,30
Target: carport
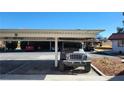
55,35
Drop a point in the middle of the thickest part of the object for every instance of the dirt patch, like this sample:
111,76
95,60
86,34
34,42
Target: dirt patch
105,45
109,66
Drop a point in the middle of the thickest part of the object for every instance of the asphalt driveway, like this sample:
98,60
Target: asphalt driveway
40,66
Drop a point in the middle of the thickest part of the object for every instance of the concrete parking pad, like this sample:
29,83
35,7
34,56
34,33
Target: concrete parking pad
40,66
77,78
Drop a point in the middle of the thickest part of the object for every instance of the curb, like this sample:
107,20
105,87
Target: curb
122,60
97,70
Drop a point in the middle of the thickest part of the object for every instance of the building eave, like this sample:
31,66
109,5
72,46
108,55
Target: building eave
38,30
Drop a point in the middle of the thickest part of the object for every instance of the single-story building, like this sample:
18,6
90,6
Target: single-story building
117,42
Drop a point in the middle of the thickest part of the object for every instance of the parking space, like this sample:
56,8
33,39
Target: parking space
37,66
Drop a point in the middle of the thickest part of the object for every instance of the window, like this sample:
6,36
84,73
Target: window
120,43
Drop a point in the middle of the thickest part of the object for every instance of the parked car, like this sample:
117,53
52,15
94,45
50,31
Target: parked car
74,59
29,48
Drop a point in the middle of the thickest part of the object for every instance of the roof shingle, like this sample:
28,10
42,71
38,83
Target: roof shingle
116,36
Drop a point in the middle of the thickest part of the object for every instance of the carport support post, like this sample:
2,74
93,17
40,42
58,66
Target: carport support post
56,52
50,46
5,46
62,46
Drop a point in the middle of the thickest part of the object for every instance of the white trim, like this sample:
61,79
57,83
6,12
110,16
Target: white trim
49,33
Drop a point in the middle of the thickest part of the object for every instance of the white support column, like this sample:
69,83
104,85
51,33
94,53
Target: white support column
82,43
56,51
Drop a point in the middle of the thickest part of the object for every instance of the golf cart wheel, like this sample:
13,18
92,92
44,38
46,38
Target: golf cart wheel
87,68
61,66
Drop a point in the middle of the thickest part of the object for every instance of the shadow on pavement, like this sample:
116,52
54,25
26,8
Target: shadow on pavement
117,78
30,69
107,53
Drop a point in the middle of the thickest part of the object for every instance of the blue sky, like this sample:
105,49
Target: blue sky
62,20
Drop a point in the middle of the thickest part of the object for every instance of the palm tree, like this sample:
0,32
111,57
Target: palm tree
121,29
